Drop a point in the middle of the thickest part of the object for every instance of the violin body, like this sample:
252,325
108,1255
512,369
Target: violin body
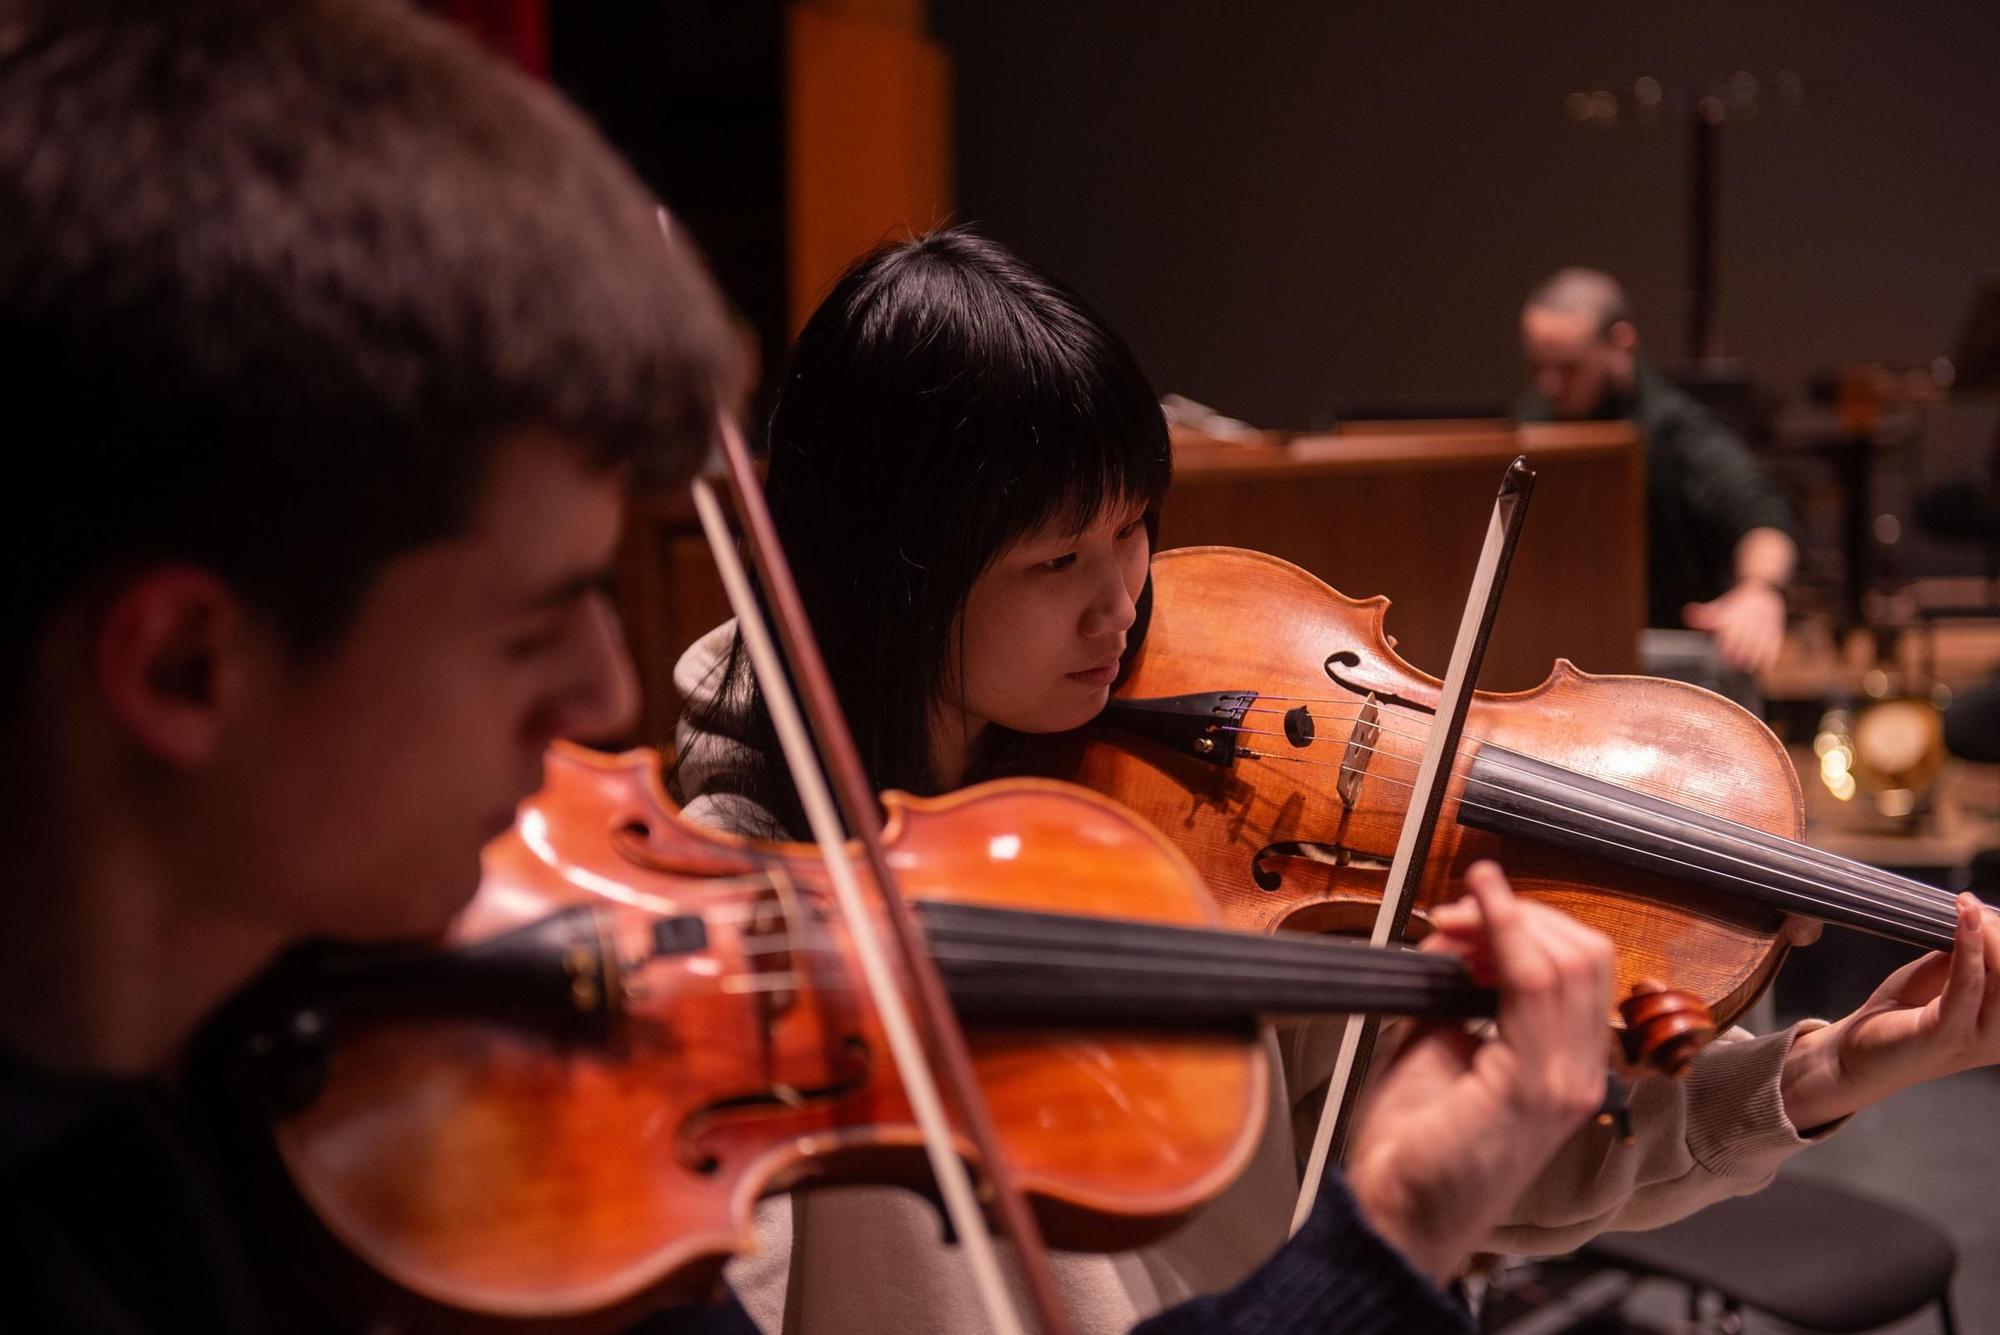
497,1170
1292,819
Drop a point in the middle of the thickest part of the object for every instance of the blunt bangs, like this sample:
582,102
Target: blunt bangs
1030,413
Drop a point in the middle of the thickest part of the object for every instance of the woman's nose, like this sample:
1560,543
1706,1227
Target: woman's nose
1113,610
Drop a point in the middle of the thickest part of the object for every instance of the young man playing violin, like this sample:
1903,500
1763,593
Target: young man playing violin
336,348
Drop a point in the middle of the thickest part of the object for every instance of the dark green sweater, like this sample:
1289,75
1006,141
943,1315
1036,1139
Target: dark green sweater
1703,491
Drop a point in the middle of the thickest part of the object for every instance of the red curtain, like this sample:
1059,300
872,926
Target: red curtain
516,29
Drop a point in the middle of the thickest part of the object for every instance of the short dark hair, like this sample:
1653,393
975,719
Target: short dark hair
946,399
277,278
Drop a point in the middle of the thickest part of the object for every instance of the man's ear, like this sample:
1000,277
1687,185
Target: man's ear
1623,335
170,659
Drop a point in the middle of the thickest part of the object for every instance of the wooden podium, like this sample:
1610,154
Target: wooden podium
1400,508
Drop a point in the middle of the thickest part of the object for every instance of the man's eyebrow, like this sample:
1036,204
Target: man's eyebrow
571,588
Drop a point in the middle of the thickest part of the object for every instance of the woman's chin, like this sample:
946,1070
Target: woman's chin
1067,716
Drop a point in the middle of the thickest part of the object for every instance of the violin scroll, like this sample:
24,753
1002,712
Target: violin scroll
1664,1027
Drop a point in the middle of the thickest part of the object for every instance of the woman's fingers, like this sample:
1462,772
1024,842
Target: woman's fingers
1989,938
1554,976
1964,995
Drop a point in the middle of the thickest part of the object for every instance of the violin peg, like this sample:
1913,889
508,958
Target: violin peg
1664,1027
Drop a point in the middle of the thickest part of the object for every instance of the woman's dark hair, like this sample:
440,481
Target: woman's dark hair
945,400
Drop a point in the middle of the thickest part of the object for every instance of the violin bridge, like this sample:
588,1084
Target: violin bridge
1360,745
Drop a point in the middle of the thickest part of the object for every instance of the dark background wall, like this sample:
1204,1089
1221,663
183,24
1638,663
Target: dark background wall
694,96
1287,204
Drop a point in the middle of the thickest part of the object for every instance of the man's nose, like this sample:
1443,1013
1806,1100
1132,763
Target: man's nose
602,702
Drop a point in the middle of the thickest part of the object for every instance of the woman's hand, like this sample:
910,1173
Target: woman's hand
1932,1017
1454,1128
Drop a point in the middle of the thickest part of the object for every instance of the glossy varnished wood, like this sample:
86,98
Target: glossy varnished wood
1225,619
501,1174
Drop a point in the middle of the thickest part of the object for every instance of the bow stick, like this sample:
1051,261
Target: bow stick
1406,872
863,821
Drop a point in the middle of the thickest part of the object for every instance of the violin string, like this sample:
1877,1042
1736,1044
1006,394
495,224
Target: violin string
1388,970
1341,713
1856,907
1891,887
1818,859
814,936
1466,747
1284,957
1286,961
1294,953
1937,904
1894,886
1820,865
1859,910
1423,721
1383,994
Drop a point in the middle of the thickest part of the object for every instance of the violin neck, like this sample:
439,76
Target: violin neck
1008,966
1522,797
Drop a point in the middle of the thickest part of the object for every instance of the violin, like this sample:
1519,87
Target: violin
639,1027
1268,726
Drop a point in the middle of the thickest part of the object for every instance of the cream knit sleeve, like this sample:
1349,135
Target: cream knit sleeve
1721,1131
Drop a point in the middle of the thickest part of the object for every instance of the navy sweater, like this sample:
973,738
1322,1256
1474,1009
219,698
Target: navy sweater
114,1220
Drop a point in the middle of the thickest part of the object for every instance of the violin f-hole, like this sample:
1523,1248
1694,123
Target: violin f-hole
1341,668
1267,877
851,1061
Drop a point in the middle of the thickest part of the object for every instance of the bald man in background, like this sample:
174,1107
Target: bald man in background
1719,546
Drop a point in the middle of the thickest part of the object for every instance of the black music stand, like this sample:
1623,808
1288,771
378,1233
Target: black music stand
1976,358
1968,509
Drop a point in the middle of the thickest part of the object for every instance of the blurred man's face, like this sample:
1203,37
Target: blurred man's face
1574,367
359,788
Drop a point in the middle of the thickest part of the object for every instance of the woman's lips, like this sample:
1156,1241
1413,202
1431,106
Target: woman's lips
1102,675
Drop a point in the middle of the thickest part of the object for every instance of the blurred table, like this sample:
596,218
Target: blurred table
1963,819
1853,460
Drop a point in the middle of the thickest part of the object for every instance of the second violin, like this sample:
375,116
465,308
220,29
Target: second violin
1268,726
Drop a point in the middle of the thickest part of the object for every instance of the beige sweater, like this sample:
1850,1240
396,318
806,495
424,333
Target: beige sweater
866,1260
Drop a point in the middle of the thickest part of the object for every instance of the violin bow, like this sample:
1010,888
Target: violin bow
1406,872
862,820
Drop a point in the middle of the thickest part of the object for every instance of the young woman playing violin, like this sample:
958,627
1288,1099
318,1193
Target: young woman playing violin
965,464
1042,638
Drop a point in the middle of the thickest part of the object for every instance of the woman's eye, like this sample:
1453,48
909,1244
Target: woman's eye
1063,562
1131,528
